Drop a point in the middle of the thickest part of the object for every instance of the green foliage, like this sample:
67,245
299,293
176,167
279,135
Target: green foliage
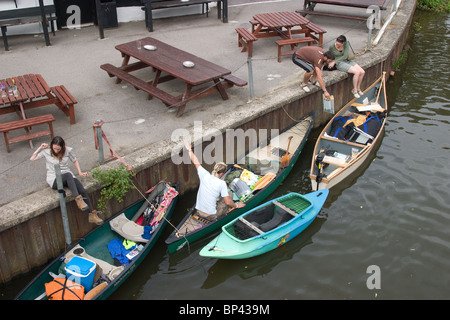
401,59
434,5
116,183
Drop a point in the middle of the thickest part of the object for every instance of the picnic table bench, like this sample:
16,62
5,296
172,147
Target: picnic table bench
25,16
309,5
280,24
168,63
27,124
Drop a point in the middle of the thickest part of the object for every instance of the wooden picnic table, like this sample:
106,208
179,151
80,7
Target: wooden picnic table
33,92
284,24
167,63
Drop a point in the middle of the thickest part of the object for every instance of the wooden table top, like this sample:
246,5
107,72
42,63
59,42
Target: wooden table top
170,60
280,19
29,86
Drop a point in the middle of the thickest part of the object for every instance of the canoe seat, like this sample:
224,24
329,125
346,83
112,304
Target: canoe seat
128,229
280,217
108,269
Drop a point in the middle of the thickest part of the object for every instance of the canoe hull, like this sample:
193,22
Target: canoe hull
333,171
227,246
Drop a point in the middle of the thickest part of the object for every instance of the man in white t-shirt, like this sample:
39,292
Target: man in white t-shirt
211,188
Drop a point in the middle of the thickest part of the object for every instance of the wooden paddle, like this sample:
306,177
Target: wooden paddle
286,158
261,183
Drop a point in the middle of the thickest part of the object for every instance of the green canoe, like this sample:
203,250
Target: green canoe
141,222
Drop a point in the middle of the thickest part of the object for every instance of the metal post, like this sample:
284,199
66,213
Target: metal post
98,8
62,202
250,77
98,140
44,23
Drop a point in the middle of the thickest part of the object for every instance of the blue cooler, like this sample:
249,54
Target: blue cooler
82,271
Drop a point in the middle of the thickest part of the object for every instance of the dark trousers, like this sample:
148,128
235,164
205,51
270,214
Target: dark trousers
75,187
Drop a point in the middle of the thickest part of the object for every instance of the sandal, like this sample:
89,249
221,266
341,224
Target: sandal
305,87
315,83
355,94
360,92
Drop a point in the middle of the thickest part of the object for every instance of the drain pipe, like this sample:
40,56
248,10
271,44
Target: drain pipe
388,20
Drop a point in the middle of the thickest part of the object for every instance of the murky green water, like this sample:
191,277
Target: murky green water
393,215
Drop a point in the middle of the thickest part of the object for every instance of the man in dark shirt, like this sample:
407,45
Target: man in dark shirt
312,59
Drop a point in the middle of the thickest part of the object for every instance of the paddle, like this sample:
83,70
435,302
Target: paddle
261,183
286,158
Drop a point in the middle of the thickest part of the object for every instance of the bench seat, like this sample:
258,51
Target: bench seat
149,88
245,40
26,16
235,80
292,43
66,101
26,124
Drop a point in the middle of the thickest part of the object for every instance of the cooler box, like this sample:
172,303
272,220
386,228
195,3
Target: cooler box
82,271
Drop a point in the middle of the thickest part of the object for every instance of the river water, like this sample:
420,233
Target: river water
381,235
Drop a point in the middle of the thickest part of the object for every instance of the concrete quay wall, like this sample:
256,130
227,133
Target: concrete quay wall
31,229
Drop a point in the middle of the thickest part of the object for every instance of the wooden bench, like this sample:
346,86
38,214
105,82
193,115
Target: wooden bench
25,16
26,124
149,5
66,101
233,80
149,88
309,5
318,30
293,43
245,40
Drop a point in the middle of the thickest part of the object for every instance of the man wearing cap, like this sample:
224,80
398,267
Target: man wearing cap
312,59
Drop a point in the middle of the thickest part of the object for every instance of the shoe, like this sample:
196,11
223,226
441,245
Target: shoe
356,94
80,203
94,218
360,93
315,83
305,87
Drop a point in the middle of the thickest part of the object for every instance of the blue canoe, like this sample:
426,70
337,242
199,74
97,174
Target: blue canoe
266,227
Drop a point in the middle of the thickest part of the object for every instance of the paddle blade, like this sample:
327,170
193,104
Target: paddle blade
285,160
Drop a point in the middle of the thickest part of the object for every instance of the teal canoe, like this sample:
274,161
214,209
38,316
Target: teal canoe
293,138
266,227
141,222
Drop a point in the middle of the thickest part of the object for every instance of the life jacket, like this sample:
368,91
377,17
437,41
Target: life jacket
338,130
372,125
64,289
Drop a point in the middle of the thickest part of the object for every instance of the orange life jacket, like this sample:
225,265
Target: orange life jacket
63,289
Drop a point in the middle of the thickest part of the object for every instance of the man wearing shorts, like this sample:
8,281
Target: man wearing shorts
312,59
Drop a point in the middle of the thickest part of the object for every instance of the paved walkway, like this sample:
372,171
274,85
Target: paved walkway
131,121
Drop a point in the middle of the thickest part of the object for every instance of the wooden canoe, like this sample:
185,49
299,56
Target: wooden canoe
348,138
